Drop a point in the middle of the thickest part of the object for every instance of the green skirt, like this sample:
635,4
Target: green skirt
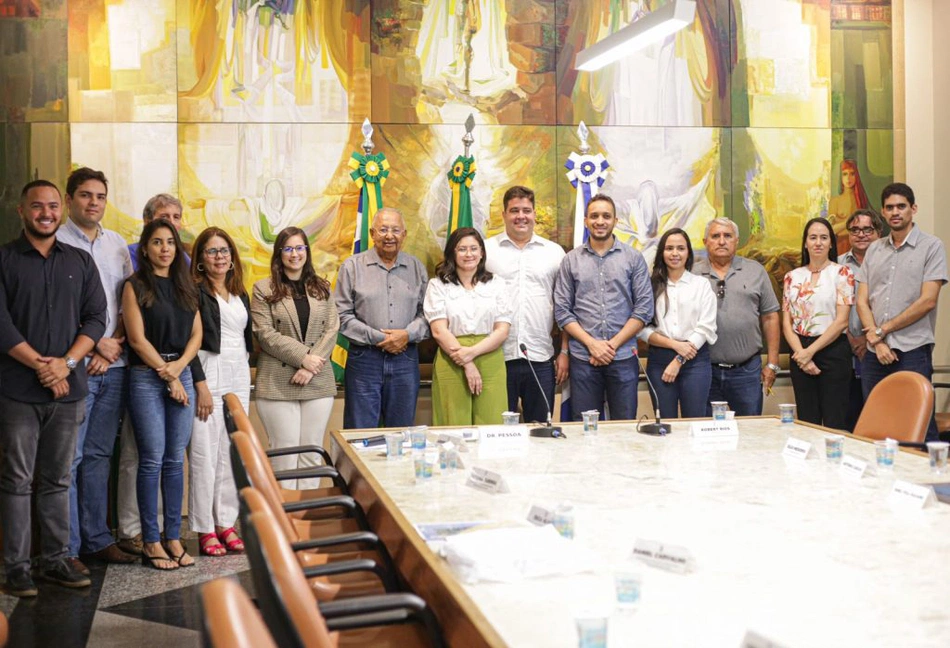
454,404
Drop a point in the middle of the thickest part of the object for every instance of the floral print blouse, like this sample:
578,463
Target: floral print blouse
812,300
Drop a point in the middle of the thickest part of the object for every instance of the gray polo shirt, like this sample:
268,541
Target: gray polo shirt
854,322
601,293
371,297
747,296
894,276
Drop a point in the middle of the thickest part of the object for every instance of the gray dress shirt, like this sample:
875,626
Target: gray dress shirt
371,297
601,293
894,277
854,321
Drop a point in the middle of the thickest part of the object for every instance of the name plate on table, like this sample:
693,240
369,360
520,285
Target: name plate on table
797,449
539,515
712,429
672,558
502,440
486,480
906,495
852,467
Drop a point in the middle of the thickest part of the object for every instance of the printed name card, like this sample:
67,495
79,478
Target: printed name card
905,495
852,467
672,558
712,429
539,515
503,440
486,480
797,449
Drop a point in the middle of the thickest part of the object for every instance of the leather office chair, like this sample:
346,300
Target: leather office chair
899,407
296,621
230,618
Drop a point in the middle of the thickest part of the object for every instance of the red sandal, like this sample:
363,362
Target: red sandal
210,546
235,544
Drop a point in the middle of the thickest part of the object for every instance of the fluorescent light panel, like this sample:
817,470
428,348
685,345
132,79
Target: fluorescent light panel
651,28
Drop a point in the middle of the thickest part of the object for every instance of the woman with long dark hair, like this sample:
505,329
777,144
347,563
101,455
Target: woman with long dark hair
160,311
469,315
817,299
683,327
220,368
296,323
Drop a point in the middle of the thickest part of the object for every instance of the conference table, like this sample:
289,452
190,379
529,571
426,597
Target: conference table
796,552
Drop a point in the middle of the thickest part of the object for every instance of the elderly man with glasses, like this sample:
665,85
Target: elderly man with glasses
379,295
747,307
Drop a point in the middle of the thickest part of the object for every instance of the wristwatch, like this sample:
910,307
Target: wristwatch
70,363
879,332
773,367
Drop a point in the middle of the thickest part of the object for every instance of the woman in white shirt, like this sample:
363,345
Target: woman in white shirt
468,312
683,327
815,308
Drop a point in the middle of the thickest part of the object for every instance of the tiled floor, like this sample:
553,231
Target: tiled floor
127,605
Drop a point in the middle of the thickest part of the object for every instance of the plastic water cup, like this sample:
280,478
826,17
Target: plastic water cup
591,419
884,453
417,435
787,412
719,409
938,455
627,582
394,445
591,631
510,418
834,448
730,415
419,464
431,461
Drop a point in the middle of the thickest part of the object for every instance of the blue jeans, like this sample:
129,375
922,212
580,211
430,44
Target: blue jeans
521,385
919,360
162,432
89,494
689,392
740,386
381,388
615,383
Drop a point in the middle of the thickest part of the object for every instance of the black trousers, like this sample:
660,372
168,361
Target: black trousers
824,399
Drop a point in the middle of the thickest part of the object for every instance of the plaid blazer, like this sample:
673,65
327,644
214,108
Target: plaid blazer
282,350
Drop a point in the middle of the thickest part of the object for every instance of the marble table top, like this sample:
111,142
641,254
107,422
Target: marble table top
785,548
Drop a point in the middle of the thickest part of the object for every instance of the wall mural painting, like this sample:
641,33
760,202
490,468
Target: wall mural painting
766,111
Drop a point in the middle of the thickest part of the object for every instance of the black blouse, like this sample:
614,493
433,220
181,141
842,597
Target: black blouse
167,325
303,305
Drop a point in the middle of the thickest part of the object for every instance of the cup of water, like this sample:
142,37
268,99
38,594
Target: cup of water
591,630
885,451
394,444
787,412
417,435
834,448
719,409
510,418
627,583
938,455
591,418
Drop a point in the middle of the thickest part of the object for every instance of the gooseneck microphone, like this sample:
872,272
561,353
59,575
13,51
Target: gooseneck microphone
546,430
658,428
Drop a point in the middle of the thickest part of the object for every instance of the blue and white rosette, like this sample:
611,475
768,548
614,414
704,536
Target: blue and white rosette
587,174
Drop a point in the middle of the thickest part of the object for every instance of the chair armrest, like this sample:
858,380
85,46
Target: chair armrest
376,619
315,472
385,609
343,501
303,449
358,537
347,566
374,603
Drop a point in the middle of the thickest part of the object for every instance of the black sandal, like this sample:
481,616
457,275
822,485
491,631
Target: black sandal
149,561
177,559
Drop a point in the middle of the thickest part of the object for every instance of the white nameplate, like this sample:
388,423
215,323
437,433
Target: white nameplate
797,449
503,440
707,429
486,480
539,515
672,558
852,467
906,495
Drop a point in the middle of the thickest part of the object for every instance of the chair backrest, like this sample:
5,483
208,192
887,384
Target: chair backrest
322,588
260,476
282,590
899,407
235,411
230,618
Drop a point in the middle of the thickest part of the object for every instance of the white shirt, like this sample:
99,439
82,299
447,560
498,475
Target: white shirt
468,312
530,273
690,315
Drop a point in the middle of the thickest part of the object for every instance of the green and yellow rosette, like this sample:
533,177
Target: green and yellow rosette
460,182
369,173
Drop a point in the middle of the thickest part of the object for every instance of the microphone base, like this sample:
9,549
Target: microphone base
547,432
654,429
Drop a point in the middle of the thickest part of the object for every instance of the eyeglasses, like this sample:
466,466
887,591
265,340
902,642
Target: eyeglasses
299,249
384,231
222,252
861,231
721,288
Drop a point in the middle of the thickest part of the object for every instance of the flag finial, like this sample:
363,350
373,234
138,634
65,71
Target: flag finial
367,130
468,138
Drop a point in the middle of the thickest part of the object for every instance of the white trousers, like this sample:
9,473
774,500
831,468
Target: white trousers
212,495
129,522
293,423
